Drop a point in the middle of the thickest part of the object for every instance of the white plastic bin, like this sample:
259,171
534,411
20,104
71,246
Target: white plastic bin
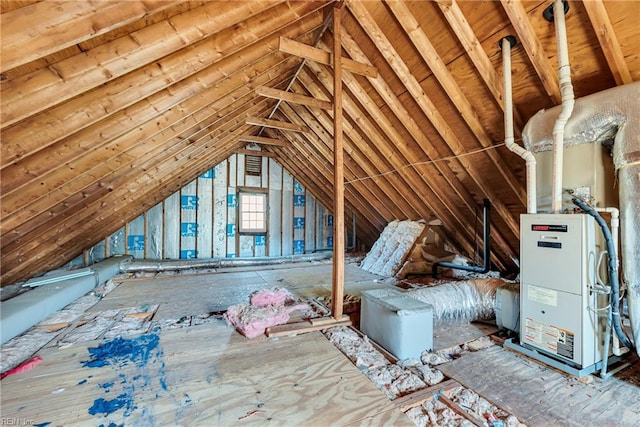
399,323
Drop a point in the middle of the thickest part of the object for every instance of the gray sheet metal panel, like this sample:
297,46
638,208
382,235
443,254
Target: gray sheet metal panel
154,232
204,238
172,226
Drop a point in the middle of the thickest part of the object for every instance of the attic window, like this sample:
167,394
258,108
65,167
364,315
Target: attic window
253,165
253,212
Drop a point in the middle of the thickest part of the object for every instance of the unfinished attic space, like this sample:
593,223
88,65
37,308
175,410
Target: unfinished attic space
320,213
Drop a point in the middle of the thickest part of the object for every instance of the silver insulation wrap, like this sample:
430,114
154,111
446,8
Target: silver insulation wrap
595,118
610,116
176,265
461,302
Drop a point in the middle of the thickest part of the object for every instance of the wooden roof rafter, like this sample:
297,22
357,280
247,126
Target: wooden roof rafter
608,41
458,98
431,112
473,47
527,36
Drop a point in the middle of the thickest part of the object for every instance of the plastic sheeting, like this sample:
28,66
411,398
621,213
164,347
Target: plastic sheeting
461,302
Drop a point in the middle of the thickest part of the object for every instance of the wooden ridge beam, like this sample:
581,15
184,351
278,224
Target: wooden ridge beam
472,46
40,29
294,98
532,45
608,40
458,98
263,140
322,56
276,124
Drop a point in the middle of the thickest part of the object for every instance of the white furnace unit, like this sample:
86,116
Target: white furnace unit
558,298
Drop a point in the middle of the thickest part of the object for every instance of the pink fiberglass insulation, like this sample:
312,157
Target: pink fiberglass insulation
273,296
252,321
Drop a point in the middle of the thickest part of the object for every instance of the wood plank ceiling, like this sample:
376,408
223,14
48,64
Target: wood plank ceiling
109,107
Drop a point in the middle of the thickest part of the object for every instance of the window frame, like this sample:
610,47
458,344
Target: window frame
264,213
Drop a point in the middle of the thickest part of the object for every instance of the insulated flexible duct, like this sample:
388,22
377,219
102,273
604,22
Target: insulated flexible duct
461,302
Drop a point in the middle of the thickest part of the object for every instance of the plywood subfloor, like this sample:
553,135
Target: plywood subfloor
207,375
193,295
540,396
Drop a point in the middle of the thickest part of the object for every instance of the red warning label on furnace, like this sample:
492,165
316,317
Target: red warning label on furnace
549,227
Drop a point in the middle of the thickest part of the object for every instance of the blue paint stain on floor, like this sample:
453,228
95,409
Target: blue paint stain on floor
106,407
138,364
122,351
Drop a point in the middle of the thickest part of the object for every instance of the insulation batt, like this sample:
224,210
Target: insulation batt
267,309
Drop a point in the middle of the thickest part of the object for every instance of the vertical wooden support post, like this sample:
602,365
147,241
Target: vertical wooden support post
338,176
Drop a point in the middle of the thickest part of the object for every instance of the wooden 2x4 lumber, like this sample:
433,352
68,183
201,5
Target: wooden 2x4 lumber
366,156
437,183
40,29
398,155
527,36
408,176
263,140
608,41
49,86
132,146
256,153
276,124
428,108
322,144
293,159
151,160
473,47
184,75
137,153
323,57
172,117
312,178
313,150
293,97
458,98
126,201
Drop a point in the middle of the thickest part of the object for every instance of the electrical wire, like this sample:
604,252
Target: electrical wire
427,162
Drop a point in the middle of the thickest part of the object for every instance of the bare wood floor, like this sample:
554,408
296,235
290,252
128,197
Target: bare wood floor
210,375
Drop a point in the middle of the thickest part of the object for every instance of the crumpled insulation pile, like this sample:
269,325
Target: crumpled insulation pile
394,380
461,301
